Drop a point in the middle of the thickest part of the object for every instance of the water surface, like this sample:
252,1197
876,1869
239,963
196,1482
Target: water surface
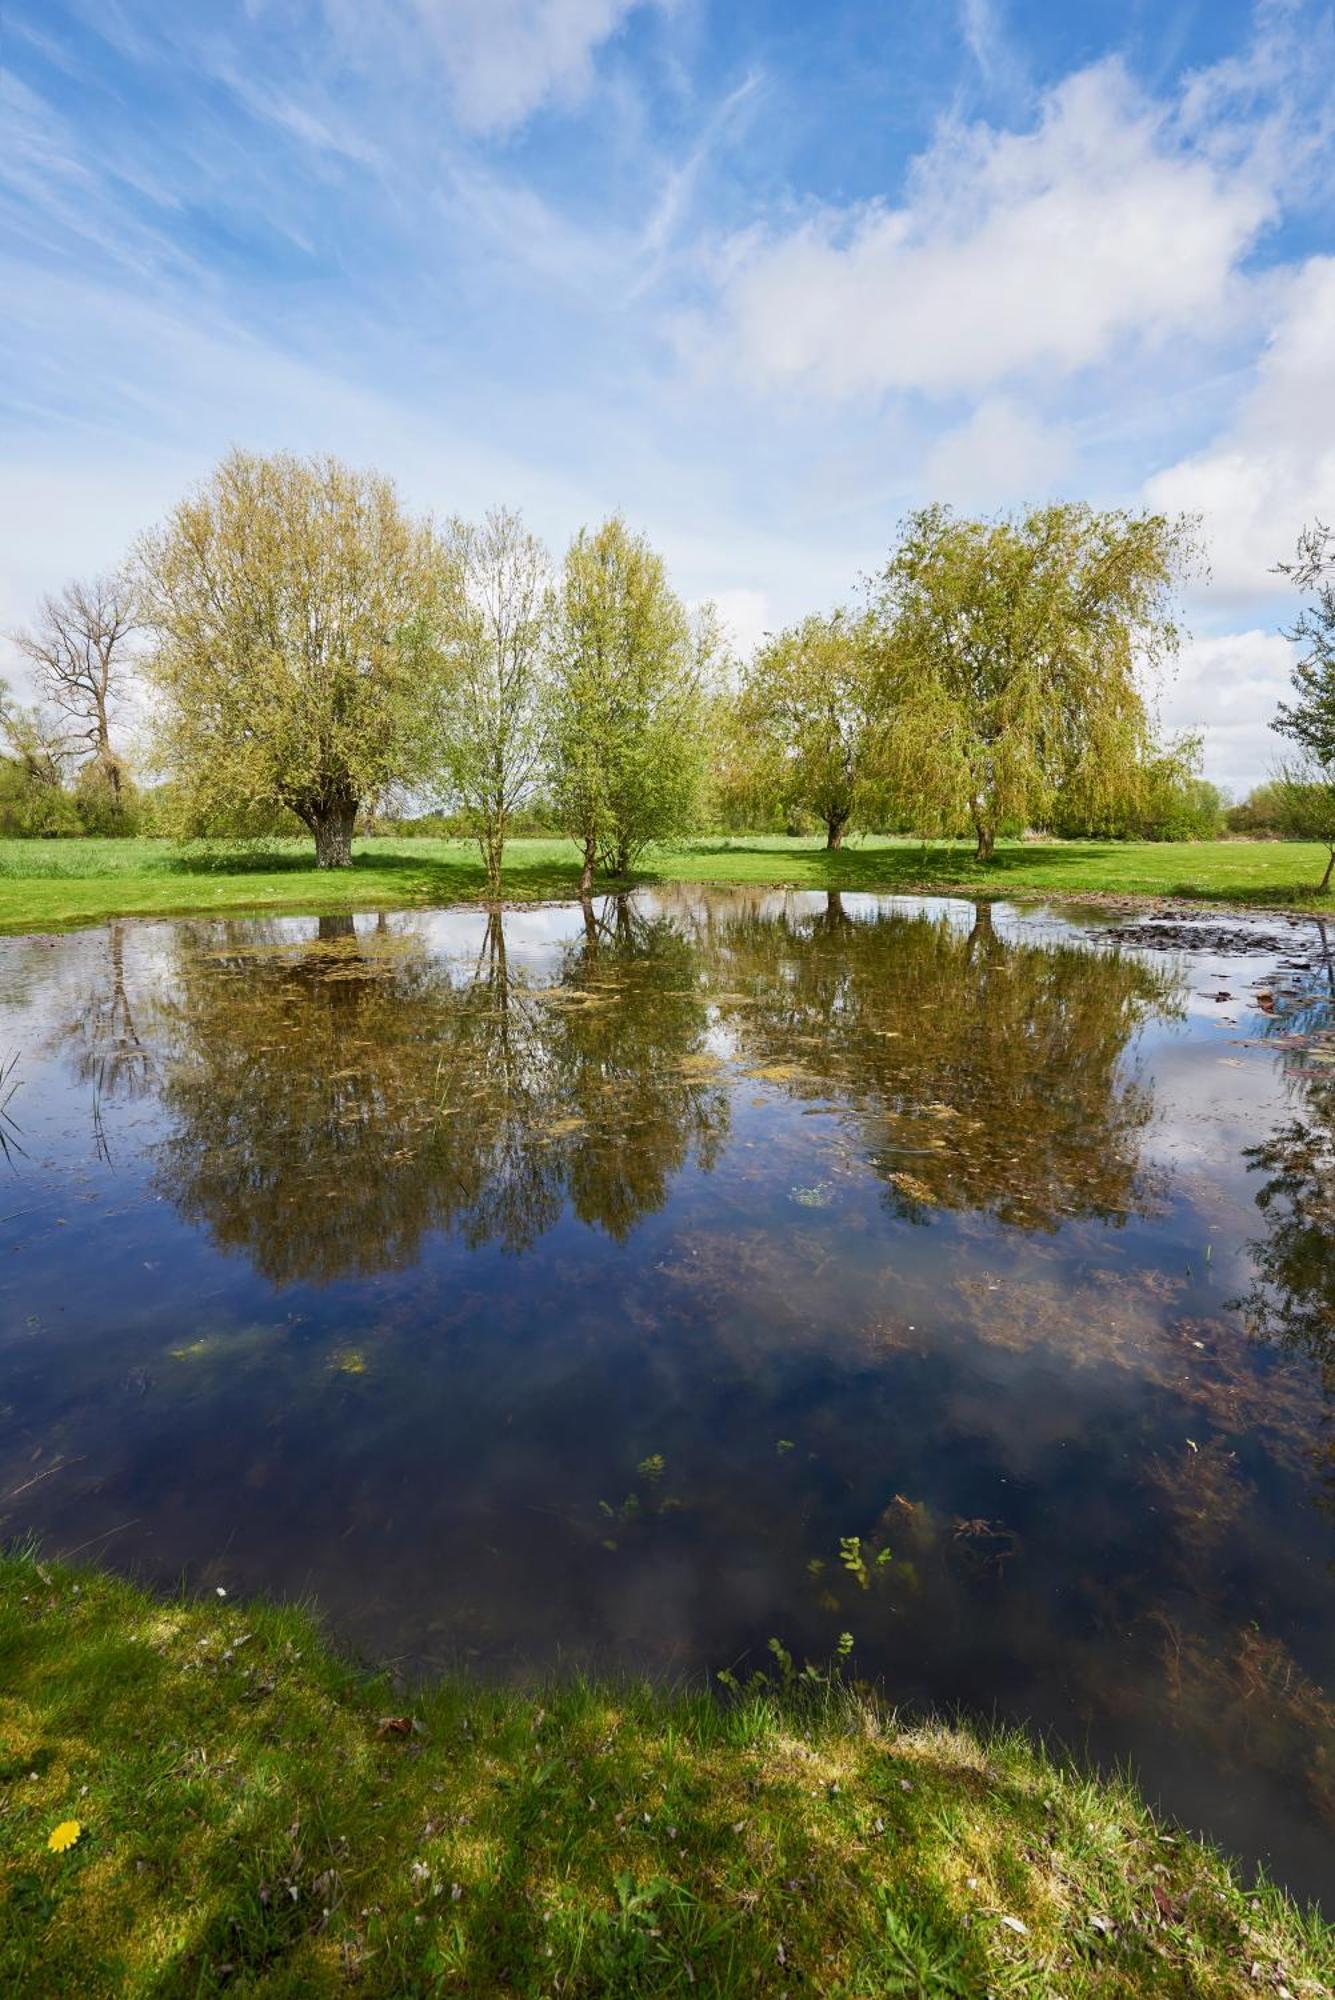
629,1287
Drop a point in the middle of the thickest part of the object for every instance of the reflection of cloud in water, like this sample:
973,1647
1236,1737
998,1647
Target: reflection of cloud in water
870,1221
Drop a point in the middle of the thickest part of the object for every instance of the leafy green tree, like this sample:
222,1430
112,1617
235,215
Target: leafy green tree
630,672
298,617
1304,794
814,706
1163,797
1019,648
34,802
493,719
1307,790
1259,812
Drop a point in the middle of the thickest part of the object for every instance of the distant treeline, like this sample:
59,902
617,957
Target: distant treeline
301,651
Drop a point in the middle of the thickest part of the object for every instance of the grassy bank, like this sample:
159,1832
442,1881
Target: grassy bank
256,1817
47,884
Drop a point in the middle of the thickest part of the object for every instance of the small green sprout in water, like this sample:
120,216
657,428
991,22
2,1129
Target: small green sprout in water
819,1196
783,1445
843,1645
652,1468
850,1555
784,1658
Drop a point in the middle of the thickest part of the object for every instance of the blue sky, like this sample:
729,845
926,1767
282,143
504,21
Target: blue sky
761,275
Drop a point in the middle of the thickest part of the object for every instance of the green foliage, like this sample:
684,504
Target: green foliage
1309,719
106,800
1306,791
493,716
298,618
628,750
815,716
1017,649
1260,812
1305,807
32,808
1163,797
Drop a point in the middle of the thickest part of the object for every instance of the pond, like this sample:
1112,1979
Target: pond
630,1287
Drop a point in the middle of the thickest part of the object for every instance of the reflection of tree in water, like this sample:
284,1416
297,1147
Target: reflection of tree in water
335,1101
1292,1299
983,1073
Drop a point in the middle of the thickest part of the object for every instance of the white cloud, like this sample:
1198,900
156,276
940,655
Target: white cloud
1273,468
1015,254
1001,453
1228,688
503,58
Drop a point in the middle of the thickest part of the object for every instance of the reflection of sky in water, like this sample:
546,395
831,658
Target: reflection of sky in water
378,1265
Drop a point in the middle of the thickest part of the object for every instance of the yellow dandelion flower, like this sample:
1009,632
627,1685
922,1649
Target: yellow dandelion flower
64,1835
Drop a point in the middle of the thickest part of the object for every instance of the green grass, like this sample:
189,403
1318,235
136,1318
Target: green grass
47,884
252,1823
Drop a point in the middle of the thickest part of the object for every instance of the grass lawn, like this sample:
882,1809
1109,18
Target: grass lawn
254,1816
48,884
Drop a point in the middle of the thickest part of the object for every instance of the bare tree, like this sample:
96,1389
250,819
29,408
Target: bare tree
80,654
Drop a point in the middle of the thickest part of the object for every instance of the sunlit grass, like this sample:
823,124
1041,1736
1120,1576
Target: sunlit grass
46,884
259,1817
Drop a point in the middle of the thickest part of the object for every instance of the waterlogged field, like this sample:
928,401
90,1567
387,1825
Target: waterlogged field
947,1287
53,884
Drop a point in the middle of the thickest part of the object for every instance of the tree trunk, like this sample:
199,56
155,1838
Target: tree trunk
342,924
986,841
835,826
1325,879
331,821
586,872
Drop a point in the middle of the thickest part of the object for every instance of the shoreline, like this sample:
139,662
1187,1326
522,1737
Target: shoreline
290,1823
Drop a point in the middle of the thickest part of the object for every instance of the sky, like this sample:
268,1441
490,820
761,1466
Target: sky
761,274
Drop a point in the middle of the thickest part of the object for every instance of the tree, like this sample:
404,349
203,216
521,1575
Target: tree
813,703
82,666
297,616
494,716
34,740
1019,647
1307,792
1304,795
629,676
1259,812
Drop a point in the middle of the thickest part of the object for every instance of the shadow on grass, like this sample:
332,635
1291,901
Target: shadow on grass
424,878
883,867
914,869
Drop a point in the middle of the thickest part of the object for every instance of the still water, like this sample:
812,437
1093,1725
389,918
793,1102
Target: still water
628,1287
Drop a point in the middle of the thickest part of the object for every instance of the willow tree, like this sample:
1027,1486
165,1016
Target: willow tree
814,708
493,720
1024,649
297,617
629,675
